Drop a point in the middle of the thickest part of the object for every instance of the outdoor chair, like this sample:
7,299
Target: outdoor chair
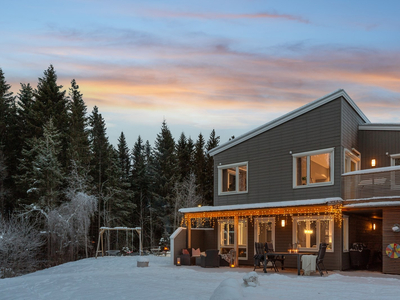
320,258
211,260
271,258
280,258
259,256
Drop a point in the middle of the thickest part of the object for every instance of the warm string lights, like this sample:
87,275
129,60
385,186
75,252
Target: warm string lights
202,219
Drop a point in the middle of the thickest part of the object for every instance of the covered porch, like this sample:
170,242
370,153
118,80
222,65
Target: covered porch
302,224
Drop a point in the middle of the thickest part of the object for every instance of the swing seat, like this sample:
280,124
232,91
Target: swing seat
113,252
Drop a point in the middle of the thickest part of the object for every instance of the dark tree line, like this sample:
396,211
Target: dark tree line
50,146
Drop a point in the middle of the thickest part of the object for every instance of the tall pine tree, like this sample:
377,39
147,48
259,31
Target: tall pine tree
212,142
165,166
200,166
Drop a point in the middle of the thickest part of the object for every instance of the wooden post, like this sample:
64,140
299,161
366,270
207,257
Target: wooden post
236,239
189,229
102,243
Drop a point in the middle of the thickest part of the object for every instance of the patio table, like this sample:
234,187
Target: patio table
298,255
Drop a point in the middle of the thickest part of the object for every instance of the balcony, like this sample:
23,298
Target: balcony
371,183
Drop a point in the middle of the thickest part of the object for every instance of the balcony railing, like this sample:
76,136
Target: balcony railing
370,183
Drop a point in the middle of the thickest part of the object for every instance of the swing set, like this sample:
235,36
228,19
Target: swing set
114,240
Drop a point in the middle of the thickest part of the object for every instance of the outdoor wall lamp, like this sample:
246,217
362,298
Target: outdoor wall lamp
373,226
373,162
283,223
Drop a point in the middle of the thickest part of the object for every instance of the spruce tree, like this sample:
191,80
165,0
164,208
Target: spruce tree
8,135
200,166
212,142
184,157
42,174
165,166
50,102
79,146
124,160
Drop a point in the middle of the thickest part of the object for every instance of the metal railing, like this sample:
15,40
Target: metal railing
370,183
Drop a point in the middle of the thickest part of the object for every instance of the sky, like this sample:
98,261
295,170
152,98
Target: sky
202,65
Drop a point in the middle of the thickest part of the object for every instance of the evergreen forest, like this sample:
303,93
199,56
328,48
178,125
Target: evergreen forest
61,179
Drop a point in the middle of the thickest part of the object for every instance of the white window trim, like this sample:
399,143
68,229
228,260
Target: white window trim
354,157
236,165
263,219
308,154
231,221
317,219
394,186
346,237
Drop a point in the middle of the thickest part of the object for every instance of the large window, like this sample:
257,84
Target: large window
226,237
232,178
314,168
395,175
264,230
309,232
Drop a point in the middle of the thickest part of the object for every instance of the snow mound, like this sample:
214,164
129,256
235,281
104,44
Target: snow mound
250,279
229,289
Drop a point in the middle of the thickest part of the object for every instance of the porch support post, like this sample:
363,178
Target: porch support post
236,239
189,229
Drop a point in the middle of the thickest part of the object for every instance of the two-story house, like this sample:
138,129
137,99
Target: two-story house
321,173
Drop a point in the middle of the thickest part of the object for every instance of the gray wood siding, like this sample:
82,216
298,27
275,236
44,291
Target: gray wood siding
375,144
270,175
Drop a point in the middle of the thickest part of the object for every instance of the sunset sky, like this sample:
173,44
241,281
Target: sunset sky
228,65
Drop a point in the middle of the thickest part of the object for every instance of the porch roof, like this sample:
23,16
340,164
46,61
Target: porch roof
264,205
373,204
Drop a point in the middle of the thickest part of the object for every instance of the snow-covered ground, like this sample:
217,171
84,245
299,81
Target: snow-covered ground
120,278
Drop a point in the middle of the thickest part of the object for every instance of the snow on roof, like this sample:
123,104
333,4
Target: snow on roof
372,204
375,170
380,126
261,205
289,116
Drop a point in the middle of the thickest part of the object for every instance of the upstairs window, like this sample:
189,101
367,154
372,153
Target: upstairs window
351,161
232,178
313,169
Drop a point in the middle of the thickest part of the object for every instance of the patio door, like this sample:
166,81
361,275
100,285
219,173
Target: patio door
264,230
226,242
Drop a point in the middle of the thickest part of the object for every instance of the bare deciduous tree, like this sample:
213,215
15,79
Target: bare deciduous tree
20,243
185,196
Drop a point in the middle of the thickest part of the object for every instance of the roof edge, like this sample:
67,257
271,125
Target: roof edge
289,116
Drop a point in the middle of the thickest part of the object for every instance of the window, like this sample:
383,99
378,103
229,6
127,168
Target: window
395,175
314,168
232,178
264,230
351,161
345,233
309,232
226,237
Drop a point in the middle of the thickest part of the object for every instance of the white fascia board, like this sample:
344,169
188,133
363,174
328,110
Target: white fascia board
373,204
380,127
289,116
262,205
374,170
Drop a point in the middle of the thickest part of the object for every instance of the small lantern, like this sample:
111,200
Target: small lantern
232,255
178,261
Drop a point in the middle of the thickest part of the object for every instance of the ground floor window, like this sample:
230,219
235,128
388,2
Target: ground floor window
226,237
309,232
264,230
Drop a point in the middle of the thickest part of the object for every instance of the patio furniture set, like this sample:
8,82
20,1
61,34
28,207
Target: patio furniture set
265,254
208,259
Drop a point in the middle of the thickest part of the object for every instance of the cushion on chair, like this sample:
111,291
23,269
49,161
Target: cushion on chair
196,252
185,251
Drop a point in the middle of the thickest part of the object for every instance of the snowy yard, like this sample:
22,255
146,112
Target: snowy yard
120,278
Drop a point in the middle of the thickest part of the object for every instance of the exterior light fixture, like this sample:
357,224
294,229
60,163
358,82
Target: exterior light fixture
373,226
283,223
199,205
373,162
